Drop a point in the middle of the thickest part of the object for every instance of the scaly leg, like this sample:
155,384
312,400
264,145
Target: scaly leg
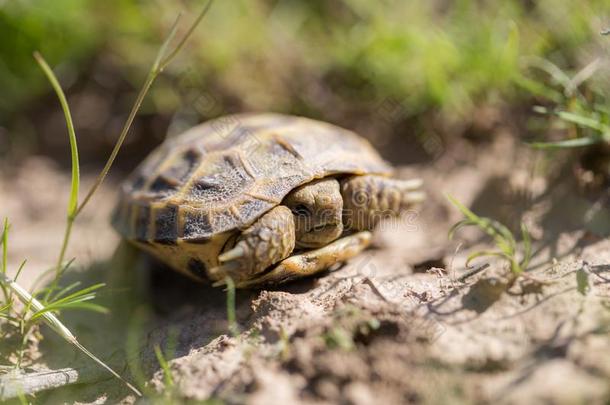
264,243
312,261
368,199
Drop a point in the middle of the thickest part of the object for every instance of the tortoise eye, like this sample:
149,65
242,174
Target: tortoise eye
301,210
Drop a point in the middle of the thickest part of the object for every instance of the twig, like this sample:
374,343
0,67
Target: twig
472,272
595,270
371,284
14,384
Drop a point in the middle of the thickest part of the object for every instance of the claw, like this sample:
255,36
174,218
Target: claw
219,272
415,197
412,184
236,253
219,283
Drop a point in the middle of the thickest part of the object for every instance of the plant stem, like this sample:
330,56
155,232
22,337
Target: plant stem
73,203
160,64
24,339
102,176
62,255
231,318
186,36
4,258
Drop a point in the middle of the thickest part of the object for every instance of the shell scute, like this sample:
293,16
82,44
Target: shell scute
224,180
142,222
166,224
196,226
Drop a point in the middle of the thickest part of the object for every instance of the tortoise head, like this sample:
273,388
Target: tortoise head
317,209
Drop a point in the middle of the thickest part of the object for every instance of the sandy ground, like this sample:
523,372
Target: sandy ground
395,325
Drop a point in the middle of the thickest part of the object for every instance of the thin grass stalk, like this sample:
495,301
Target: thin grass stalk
102,176
62,254
73,203
190,31
231,318
4,240
160,64
167,374
75,183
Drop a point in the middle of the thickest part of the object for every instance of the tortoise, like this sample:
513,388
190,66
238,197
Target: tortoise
261,198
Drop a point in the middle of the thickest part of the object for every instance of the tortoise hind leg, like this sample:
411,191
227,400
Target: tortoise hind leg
312,261
270,239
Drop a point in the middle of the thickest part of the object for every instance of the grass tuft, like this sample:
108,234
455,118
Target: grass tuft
506,244
581,107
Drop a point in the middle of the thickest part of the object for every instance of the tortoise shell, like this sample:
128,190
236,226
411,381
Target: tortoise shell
220,176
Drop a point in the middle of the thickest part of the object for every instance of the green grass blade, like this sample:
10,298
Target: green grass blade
4,239
583,75
5,230
20,269
582,281
80,305
527,247
167,375
504,237
156,67
72,301
58,306
568,143
133,340
551,69
66,290
231,318
22,398
77,294
485,224
186,36
73,203
459,225
583,121
5,307
486,253
538,89
89,306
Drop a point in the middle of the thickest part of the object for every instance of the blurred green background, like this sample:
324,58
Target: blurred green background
400,72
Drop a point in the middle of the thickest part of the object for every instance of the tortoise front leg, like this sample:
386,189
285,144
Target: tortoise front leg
270,239
368,199
312,261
